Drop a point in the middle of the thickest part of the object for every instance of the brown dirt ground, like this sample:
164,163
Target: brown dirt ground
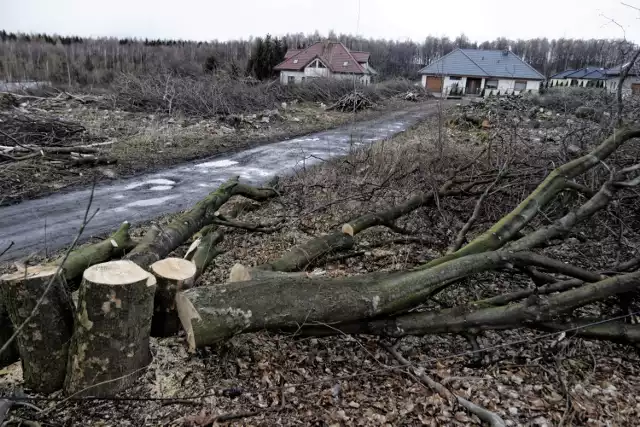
529,378
148,142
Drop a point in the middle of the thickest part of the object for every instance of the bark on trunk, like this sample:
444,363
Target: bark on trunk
157,244
172,275
302,256
204,250
115,246
212,313
241,273
43,342
310,252
10,354
110,344
532,312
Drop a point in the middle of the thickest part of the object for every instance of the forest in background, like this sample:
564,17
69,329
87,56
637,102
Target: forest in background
89,61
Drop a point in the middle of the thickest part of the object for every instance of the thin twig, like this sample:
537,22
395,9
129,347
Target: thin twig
457,244
484,414
7,248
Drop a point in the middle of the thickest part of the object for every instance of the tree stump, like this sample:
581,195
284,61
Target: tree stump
172,275
43,343
110,345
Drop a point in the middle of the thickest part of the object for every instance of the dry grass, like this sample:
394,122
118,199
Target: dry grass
142,142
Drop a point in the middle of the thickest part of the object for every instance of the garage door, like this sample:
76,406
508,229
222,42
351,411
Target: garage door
434,84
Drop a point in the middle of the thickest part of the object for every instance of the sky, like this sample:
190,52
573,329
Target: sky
391,19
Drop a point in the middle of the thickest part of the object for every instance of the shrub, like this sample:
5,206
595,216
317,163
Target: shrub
223,93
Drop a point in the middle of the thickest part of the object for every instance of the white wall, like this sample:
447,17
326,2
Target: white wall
567,82
310,73
612,84
365,79
508,86
284,76
504,85
313,70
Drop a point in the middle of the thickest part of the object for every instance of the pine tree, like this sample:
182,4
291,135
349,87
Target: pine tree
211,64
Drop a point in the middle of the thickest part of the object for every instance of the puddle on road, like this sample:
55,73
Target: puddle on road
217,164
149,202
150,183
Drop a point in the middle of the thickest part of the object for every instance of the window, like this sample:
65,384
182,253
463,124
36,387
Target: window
345,63
491,84
520,85
454,78
320,64
295,61
291,79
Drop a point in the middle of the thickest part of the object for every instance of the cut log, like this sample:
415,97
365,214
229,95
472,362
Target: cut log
310,252
110,344
212,313
172,275
43,342
304,255
241,273
157,245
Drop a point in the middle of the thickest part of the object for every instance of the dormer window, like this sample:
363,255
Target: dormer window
345,63
295,61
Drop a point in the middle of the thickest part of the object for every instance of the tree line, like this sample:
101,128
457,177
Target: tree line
95,61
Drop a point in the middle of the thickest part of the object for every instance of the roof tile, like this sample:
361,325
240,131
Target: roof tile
334,54
482,63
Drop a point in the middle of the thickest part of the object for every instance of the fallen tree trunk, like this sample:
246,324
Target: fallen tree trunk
241,273
533,312
300,257
212,313
159,243
110,344
597,329
203,250
114,246
43,341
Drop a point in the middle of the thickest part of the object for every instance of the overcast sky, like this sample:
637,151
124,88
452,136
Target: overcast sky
394,19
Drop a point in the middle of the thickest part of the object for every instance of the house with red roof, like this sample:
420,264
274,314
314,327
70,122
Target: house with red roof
325,59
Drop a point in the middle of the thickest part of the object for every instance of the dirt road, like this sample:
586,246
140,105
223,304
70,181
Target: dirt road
146,197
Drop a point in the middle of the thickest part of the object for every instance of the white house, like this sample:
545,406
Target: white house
631,84
608,78
325,59
583,77
474,71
